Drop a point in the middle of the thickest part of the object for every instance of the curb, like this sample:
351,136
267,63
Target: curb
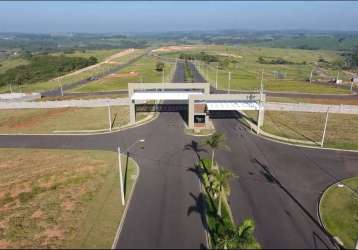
121,223
338,246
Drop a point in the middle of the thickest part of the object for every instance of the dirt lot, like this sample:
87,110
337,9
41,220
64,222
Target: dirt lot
175,48
124,74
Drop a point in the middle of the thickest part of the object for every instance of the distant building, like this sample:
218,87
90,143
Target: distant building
355,79
339,81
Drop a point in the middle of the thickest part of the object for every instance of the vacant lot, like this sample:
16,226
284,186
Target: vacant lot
342,129
339,212
246,70
141,71
61,119
60,198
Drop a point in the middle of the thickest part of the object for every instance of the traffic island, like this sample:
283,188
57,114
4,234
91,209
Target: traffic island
338,211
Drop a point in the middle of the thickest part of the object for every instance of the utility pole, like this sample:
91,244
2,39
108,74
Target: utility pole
10,88
216,76
121,176
352,85
262,83
228,90
325,127
337,76
163,75
311,76
109,118
61,90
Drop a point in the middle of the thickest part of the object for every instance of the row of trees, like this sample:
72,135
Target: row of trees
43,68
225,234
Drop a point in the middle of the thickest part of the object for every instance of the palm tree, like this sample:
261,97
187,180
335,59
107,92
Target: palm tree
220,185
215,141
239,237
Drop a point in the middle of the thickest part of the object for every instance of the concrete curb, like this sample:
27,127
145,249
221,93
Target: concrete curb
124,215
319,207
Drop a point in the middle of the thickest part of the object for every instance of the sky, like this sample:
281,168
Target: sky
151,16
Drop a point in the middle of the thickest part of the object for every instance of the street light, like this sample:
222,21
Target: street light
121,182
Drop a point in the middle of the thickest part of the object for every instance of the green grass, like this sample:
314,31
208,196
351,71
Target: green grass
99,54
342,129
11,63
61,119
51,84
68,199
339,212
144,69
246,73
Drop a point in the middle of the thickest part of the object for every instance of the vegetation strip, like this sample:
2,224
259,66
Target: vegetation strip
224,233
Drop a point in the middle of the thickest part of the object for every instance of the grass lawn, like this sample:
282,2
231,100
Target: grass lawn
339,212
82,97
143,69
342,129
100,54
246,73
61,119
60,198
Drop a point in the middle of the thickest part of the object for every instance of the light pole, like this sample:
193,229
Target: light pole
216,76
121,182
311,76
109,118
229,80
325,127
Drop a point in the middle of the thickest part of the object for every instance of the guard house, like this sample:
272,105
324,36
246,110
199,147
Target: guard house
167,92
198,98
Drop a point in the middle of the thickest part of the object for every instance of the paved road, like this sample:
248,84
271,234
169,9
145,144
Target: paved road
279,185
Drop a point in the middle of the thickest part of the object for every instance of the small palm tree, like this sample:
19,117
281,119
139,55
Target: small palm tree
239,237
220,185
215,141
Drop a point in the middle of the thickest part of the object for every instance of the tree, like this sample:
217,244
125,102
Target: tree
92,60
220,185
215,141
159,66
239,237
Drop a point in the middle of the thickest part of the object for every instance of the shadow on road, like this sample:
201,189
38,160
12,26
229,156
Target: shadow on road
271,178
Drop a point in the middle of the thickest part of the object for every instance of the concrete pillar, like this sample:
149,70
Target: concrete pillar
191,113
132,112
206,121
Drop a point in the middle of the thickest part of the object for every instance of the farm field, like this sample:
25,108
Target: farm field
246,71
70,78
62,119
342,129
141,71
60,198
338,210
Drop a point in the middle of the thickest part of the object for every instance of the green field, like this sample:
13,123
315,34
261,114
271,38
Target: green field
11,63
61,198
143,71
342,129
246,70
339,212
61,119
51,84
99,54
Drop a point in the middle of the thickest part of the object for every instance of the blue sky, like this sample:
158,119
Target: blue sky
173,16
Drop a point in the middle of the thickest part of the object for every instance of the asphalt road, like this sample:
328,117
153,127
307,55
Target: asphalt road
279,185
